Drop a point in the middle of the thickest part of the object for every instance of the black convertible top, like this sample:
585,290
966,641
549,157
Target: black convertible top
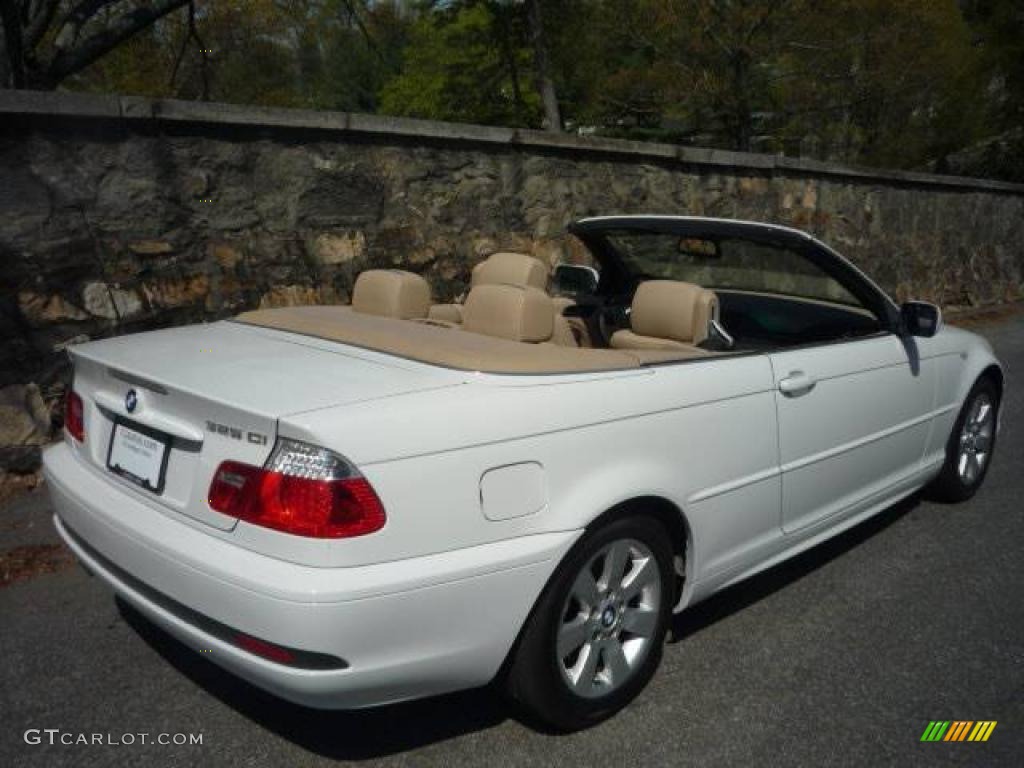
694,226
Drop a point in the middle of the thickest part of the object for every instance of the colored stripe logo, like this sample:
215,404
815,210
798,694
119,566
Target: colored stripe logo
958,730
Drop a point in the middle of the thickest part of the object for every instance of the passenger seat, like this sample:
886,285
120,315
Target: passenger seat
668,315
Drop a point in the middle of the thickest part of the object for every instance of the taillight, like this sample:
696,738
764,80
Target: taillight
74,415
303,490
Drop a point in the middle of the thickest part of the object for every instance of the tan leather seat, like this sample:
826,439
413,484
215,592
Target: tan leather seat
669,315
517,313
391,293
503,268
507,268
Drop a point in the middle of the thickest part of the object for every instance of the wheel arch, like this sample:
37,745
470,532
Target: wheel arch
675,522
662,509
995,372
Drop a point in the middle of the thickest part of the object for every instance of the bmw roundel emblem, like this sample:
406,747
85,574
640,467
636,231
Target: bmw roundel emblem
131,401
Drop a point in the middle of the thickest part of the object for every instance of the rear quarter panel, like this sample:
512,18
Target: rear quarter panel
701,435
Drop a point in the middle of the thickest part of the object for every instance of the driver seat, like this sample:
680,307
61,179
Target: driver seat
668,315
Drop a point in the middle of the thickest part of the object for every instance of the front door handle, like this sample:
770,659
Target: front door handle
796,383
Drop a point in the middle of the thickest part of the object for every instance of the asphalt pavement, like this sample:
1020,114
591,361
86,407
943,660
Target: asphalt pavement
839,657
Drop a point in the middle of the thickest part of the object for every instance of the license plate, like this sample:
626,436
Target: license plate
138,455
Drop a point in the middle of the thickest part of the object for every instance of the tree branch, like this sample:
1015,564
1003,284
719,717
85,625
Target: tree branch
71,23
68,62
193,34
39,21
354,16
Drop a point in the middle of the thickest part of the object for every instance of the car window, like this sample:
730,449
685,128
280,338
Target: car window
728,264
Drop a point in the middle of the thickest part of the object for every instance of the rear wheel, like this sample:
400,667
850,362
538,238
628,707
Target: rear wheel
596,634
971,444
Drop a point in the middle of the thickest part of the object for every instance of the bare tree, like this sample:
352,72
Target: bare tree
46,41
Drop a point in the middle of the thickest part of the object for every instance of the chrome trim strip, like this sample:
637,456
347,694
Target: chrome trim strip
137,381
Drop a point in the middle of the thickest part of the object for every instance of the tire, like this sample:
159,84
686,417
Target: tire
593,641
970,446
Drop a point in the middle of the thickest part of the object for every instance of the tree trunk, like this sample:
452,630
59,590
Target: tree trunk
743,126
508,54
12,68
545,84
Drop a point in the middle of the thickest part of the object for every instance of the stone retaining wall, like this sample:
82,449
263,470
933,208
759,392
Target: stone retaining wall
123,214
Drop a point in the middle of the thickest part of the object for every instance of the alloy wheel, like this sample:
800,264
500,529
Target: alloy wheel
976,439
609,618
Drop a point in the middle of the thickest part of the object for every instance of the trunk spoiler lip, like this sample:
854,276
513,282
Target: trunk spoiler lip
132,378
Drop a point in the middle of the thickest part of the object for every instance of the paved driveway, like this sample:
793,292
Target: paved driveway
840,657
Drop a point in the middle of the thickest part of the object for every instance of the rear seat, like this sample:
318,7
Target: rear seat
514,269
516,313
391,293
505,268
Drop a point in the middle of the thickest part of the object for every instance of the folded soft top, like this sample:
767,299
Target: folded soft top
450,347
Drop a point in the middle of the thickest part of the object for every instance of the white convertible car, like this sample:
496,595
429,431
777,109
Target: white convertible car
355,505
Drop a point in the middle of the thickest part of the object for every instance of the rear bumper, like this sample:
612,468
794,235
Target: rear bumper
405,629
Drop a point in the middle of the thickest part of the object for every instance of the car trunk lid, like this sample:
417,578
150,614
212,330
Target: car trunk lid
212,393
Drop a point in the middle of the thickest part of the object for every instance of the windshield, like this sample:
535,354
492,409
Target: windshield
726,263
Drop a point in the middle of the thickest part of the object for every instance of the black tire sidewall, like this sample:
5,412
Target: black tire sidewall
536,682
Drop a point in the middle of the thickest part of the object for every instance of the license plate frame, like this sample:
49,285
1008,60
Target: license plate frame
163,442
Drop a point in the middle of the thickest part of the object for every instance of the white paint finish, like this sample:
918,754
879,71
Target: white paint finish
713,437
464,626
114,405
770,553
266,374
864,420
515,490
665,432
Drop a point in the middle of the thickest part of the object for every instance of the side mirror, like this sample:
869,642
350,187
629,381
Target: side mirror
919,318
575,279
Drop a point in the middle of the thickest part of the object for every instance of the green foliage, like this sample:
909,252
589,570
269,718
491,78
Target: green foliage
900,83
466,65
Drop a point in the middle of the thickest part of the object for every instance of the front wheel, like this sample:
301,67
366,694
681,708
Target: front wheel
596,634
970,446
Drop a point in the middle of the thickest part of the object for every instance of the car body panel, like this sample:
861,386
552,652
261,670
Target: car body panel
861,426
434,600
410,628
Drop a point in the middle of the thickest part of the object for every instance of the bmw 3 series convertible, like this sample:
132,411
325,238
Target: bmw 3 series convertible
355,505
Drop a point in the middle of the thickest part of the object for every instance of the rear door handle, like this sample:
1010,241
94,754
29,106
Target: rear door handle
796,383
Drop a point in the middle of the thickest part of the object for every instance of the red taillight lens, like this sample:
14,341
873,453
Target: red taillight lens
331,508
74,415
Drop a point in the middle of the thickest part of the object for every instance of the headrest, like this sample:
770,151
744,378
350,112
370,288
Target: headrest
669,309
391,293
509,312
510,269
